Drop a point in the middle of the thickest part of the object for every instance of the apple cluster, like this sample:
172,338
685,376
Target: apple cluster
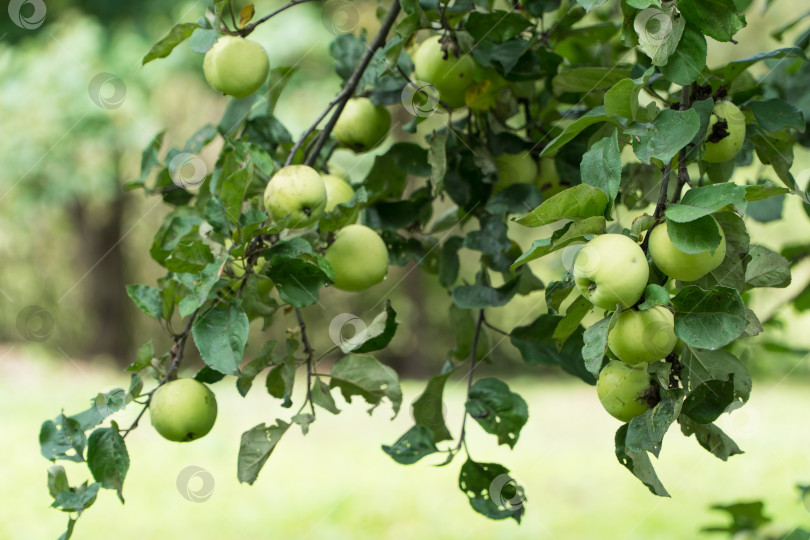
612,272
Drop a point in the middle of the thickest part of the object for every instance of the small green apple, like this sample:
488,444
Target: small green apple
338,191
297,191
514,169
643,336
548,181
451,76
611,270
726,148
183,410
359,258
362,125
236,66
620,388
683,266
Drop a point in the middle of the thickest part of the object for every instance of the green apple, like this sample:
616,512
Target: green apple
683,266
548,181
338,191
611,270
643,336
359,258
620,388
729,146
297,191
183,410
236,66
362,125
451,76
514,169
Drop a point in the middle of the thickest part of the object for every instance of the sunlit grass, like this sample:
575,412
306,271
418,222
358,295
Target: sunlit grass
336,483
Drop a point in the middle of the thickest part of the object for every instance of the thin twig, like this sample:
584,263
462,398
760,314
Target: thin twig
479,324
312,128
683,174
354,80
177,356
309,352
252,26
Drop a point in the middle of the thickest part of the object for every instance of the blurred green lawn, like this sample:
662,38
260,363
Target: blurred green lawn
336,483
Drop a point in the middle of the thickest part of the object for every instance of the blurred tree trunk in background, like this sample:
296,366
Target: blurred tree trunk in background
101,256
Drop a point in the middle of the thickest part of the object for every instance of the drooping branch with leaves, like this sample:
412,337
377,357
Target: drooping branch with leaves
541,131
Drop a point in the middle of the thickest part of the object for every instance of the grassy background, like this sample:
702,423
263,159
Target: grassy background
336,483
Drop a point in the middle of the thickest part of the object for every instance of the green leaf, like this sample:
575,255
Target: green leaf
645,433
710,437
590,4
761,192
767,269
428,408
654,295
254,367
108,459
62,438
595,342
665,136
450,264
715,18
380,332
709,319
746,517
707,401
687,62
659,33
537,346
775,114
733,69
570,322
575,203
177,35
255,448
200,286
498,410
497,26
514,199
415,444
437,158
221,335
594,116
701,366
695,236
298,280
601,167
57,480
322,396
147,299
638,463
281,380
587,79
361,375
491,490
481,296
576,231
622,98
144,357
76,499
705,200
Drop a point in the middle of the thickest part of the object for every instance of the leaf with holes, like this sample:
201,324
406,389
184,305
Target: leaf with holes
498,410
